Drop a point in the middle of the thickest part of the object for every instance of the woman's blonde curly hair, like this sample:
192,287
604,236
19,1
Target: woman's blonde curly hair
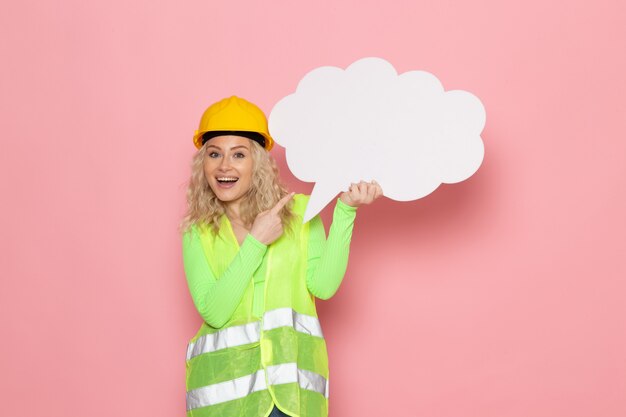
204,208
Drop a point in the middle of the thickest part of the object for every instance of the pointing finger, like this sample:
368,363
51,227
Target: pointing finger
281,203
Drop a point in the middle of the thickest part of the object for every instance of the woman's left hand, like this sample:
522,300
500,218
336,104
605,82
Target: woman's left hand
361,193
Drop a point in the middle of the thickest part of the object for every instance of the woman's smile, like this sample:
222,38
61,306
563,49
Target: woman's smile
226,182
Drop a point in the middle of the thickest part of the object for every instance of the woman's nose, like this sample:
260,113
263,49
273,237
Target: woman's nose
225,163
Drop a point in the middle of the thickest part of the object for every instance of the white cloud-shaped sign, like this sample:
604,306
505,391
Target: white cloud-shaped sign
369,123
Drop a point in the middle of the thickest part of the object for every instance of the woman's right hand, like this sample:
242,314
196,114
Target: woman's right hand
267,226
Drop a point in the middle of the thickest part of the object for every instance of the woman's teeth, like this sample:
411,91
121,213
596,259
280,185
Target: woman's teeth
227,179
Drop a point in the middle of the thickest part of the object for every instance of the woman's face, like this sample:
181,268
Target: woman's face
229,158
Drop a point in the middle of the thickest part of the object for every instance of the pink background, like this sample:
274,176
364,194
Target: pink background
503,295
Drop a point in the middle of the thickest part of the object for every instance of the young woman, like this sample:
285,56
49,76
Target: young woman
254,271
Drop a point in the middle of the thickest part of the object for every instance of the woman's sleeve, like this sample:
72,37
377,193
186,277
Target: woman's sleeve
216,298
328,259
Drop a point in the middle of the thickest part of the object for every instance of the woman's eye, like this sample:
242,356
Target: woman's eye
240,155
213,155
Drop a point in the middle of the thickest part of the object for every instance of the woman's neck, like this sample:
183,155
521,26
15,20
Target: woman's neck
232,211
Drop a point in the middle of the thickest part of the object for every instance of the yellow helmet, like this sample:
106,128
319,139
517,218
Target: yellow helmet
233,116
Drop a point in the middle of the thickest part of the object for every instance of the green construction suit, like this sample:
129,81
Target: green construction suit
261,343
